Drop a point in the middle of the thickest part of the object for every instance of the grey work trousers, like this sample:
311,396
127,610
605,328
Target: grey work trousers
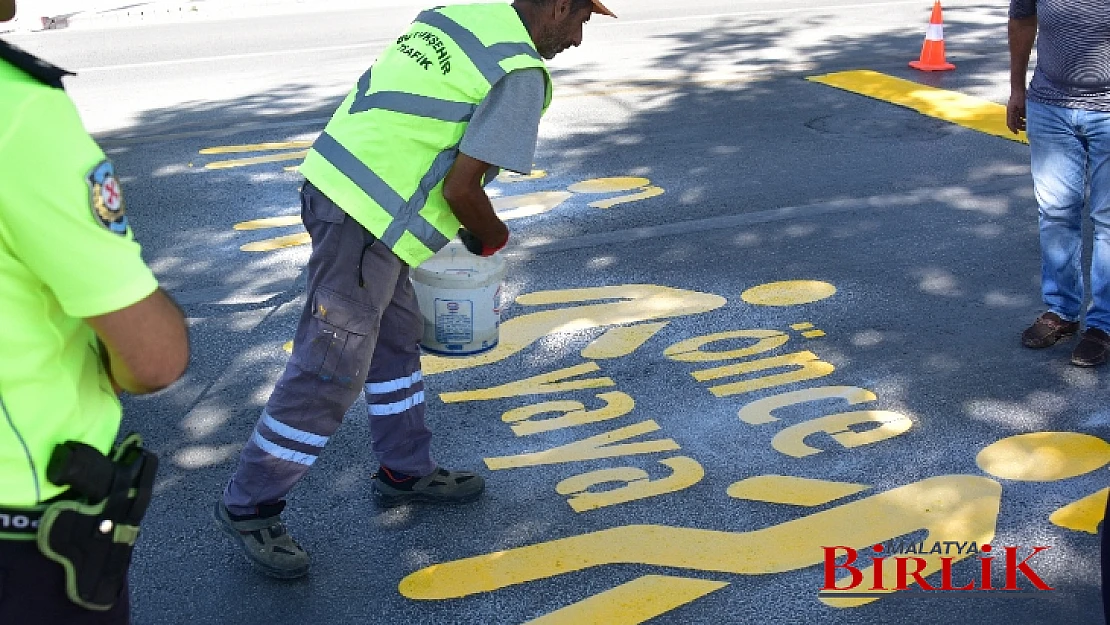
360,331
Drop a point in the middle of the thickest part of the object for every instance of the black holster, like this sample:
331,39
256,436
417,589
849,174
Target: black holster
92,536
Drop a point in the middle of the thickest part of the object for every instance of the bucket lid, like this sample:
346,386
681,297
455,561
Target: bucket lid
455,267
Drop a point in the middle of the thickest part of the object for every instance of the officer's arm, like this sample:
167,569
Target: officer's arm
147,343
468,201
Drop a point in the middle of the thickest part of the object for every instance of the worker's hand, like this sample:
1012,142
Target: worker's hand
475,246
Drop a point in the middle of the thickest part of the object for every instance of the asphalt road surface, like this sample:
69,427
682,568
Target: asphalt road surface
749,318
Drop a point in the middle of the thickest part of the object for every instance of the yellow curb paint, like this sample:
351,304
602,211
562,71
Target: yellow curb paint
795,491
637,601
647,193
257,147
608,185
788,293
278,243
963,110
269,222
257,160
1083,515
1044,456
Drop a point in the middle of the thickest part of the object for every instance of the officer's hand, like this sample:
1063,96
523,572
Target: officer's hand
475,246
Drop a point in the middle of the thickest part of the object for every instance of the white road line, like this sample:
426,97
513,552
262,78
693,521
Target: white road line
228,57
811,9
356,46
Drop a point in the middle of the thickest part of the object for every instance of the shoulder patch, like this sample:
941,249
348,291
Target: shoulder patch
106,198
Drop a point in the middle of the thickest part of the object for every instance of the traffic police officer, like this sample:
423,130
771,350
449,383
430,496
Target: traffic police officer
83,318
395,174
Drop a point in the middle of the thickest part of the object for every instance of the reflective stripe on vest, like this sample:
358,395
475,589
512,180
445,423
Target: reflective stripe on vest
411,103
406,214
486,58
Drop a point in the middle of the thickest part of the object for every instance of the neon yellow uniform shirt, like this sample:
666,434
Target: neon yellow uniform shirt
66,253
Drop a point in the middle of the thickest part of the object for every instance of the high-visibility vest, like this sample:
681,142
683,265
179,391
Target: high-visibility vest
53,385
385,153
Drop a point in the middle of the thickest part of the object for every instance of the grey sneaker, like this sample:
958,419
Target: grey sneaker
265,541
439,486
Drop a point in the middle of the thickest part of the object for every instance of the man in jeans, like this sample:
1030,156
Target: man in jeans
1066,113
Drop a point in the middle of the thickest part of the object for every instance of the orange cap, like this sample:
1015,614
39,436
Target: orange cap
600,8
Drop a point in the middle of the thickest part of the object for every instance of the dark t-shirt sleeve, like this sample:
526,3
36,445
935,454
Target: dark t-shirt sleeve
1020,9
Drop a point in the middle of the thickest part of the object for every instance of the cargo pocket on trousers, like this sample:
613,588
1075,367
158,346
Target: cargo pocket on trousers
338,345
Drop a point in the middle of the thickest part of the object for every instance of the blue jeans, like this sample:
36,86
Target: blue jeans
1070,150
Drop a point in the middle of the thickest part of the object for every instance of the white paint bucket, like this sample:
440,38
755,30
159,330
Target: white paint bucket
460,298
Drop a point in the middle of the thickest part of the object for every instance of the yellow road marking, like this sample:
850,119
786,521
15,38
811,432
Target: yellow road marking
948,507
633,602
255,160
634,303
647,193
278,243
608,185
638,484
257,147
963,110
795,491
511,176
788,293
1083,515
269,222
621,341
517,206
1044,456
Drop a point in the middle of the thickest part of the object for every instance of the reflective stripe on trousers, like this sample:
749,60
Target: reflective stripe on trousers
350,339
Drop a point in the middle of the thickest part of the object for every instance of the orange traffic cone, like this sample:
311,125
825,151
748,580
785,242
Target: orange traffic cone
932,53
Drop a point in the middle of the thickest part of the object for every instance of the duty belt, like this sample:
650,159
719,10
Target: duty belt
20,523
